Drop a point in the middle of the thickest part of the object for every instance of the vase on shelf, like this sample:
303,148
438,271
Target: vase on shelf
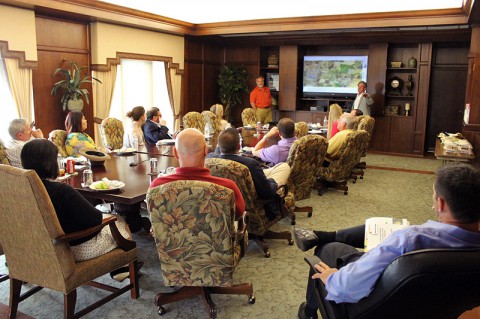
412,63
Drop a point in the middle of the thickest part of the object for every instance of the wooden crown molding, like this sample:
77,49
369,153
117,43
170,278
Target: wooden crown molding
125,55
100,11
18,55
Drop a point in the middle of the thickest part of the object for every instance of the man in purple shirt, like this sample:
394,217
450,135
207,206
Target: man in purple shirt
277,152
350,275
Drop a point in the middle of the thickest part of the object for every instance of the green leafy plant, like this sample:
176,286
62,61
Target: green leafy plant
74,77
232,80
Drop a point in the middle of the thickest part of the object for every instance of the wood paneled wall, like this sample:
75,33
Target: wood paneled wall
58,42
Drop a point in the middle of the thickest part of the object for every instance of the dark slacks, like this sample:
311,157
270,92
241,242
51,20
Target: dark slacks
337,255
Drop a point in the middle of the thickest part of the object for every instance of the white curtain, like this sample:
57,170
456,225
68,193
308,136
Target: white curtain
176,93
20,80
8,109
103,94
142,83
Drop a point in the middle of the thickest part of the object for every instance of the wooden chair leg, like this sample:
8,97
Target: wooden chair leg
304,209
133,276
207,298
15,289
69,302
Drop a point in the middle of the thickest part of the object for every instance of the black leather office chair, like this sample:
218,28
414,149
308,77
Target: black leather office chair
430,283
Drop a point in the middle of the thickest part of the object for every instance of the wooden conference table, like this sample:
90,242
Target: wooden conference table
132,170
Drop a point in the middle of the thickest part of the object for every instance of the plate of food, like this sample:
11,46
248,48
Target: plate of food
106,185
124,151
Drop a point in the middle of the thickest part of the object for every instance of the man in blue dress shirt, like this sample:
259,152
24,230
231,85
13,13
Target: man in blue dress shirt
350,275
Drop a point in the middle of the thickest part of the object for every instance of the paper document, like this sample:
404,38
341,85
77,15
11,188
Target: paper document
378,228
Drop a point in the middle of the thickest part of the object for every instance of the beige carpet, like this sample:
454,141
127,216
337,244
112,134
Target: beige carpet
280,281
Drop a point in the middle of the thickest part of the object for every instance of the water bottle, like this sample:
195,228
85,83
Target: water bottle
325,121
135,141
241,140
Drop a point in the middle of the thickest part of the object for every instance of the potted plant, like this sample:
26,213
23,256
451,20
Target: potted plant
74,77
232,80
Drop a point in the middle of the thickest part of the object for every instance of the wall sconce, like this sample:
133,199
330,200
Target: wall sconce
407,108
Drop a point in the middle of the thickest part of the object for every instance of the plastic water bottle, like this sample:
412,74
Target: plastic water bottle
325,121
135,141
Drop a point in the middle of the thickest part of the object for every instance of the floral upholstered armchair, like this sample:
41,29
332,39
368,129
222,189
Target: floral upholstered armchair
366,123
301,129
3,154
210,119
258,222
111,131
193,223
249,117
305,159
194,120
337,173
58,138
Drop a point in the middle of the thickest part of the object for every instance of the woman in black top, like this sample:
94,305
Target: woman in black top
74,212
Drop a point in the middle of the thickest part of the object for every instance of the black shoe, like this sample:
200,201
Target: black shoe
301,312
304,239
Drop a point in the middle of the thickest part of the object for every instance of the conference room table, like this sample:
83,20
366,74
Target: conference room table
133,170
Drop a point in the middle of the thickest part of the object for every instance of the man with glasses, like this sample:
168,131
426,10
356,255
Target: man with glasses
21,132
154,128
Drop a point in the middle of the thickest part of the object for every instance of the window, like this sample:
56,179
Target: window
8,110
141,83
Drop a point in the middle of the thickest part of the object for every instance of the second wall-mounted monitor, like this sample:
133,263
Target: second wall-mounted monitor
333,75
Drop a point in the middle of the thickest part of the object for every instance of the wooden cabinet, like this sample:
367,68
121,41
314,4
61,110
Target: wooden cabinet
393,134
399,100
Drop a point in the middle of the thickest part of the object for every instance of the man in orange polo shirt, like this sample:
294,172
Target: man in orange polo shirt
260,100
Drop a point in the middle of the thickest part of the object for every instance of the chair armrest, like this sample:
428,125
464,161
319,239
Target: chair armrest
283,191
242,227
122,242
312,261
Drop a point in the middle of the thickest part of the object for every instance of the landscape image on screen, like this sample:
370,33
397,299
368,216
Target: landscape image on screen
333,74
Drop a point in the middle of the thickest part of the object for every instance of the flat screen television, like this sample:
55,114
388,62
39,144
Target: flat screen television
333,75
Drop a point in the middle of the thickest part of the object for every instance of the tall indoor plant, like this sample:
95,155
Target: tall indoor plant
74,78
232,80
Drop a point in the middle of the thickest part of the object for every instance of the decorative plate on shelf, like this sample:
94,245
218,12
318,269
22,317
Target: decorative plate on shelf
391,109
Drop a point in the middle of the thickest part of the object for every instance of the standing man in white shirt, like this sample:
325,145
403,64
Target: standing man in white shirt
363,100
21,132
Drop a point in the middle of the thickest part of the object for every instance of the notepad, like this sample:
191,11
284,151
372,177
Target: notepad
379,228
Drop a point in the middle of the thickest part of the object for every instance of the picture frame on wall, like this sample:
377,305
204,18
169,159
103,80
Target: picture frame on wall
273,81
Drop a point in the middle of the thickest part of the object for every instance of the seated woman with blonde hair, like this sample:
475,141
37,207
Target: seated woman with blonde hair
217,109
138,117
75,125
333,116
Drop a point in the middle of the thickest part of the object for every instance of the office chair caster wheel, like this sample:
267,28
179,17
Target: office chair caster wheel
361,177
310,214
290,242
345,193
251,299
161,311
267,254
293,222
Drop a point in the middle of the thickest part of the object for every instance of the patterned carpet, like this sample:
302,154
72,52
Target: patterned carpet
393,186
